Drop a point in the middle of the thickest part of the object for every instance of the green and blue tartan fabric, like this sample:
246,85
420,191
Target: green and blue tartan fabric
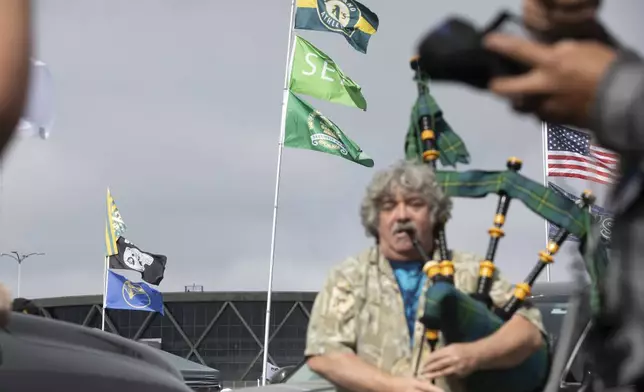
544,202
461,318
541,200
451,146
595,254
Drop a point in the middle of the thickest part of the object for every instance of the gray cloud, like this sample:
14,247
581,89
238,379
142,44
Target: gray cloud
176,106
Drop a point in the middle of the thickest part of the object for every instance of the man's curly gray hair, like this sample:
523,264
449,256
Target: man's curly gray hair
409,177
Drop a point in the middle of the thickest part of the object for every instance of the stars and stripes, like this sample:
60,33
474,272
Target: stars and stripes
571,154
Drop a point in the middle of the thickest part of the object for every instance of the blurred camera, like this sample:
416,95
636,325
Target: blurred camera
454,52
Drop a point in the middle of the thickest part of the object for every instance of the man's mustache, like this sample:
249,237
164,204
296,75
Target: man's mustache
406,227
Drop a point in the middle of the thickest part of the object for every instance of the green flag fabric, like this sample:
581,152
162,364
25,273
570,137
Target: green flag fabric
353,20
315,74
308,129
451,147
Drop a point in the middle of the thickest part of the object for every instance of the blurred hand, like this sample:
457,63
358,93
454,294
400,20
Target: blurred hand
458,359
555,20
409,384
5,305
548,15
562,85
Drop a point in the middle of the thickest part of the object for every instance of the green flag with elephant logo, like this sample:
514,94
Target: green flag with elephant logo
308,129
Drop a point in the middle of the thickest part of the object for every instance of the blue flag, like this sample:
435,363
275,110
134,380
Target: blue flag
122,293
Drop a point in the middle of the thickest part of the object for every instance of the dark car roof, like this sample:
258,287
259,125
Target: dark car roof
40,354
549,289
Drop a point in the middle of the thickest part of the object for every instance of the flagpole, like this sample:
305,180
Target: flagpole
544,144
104,293
285,95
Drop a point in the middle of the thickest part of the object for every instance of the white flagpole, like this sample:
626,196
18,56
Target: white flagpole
544,143
287,71
104,292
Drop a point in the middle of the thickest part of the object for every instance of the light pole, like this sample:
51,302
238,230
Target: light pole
20,258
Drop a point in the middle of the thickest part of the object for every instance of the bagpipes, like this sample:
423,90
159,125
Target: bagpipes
462,317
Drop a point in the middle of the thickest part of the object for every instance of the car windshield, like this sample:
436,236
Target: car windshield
553,313
302,373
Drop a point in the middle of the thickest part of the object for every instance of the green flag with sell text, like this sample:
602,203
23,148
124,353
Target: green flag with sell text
315,74
308,129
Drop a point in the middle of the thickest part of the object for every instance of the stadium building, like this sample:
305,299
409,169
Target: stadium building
222,330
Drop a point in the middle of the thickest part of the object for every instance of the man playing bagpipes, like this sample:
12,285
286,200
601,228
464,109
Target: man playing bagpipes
408,314
364,331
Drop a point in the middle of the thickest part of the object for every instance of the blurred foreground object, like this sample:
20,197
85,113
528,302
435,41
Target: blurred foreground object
553,20
564,81
5,305
41,354
38,116
453,51
15,50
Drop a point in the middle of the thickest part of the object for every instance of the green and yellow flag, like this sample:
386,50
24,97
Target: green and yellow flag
347,17
308,129
315,74
114,226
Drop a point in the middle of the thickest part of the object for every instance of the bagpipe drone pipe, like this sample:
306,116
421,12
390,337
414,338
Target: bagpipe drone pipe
460,317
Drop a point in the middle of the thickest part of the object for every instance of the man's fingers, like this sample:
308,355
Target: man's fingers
437,365
448,371
532,83
5,298
520,49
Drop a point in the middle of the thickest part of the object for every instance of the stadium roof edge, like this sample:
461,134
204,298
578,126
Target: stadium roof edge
208,296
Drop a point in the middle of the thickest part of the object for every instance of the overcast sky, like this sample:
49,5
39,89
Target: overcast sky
175,105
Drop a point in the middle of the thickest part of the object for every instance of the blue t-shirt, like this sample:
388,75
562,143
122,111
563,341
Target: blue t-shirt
410,278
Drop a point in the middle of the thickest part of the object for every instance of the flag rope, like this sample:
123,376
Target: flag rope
289,60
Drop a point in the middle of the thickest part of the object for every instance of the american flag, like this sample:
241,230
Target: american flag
571,154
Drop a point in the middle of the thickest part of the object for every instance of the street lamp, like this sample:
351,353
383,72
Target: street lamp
19,258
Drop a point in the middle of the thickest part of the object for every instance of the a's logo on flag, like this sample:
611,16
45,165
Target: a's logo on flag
124,294
339,15
352,19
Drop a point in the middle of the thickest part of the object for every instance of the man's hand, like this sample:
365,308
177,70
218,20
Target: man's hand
409,384
459,359
558,16
5,305
562,84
